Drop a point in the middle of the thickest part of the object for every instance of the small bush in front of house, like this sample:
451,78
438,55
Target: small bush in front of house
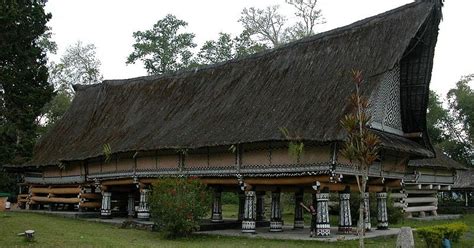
433,235
178,204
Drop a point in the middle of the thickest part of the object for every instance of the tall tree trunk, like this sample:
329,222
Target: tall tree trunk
362,183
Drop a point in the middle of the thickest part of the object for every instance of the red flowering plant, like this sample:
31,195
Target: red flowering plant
178,204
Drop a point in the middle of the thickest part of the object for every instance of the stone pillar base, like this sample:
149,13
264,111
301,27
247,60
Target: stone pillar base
105,214
323,230
276,226
216,218
143,215
248,226
382,226
299,224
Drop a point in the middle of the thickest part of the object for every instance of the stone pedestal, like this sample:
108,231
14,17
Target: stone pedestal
131,205
143,212
382,216
249,221
260,205
105,210
367,224
299,220
323,227
345,221
276,223
217,207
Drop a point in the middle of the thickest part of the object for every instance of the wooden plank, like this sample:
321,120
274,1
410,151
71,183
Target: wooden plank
397,195
55,199
39,190
399,205
420,208
90,196
90,204
419,191
59,191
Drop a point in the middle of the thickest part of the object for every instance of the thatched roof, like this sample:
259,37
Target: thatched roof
302,86
464,180
440,160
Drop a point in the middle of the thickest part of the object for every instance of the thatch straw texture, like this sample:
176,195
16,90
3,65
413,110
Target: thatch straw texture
302,86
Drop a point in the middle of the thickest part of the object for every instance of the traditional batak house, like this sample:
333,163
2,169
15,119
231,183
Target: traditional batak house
230,125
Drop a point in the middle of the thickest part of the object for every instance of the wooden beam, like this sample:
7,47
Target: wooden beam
117,182
90,196
55,199
90,204
421,200
420,208
413,135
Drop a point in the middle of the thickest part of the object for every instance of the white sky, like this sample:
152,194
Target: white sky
109,25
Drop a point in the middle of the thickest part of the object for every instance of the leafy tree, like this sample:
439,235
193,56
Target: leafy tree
47,43
266,23
309,16
24,83
461,105
53,111
436,118
78,65
271,27
361,146
24,87
163,49
226,48
245,46
451,128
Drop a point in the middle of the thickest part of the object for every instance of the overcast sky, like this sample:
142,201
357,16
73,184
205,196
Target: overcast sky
109,25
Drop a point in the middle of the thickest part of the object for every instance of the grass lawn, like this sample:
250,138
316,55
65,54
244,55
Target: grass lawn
62,232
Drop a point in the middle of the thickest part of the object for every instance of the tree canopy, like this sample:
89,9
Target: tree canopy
226,48
163,48
78,65
451,127
24,88
269,26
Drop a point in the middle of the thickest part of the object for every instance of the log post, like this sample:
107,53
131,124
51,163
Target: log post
217,206
382,216
248,223
131,205
323,227
260,205
366,200
276,223
299,220
345,219
143,207
105,211
241,205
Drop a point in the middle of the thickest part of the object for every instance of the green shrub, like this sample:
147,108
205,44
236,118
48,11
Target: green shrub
177,205
433,235
395,215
